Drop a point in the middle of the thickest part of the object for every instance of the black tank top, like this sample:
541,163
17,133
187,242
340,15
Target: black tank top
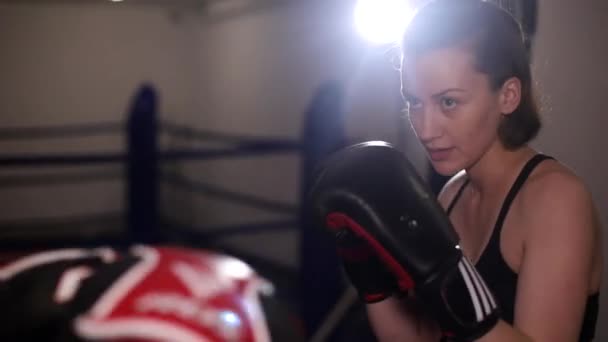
499,276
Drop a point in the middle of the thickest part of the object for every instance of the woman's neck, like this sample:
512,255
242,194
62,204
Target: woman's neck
497,169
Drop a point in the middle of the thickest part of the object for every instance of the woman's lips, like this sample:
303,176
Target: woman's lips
439,154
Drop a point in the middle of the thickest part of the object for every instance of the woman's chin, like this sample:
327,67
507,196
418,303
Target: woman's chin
445,168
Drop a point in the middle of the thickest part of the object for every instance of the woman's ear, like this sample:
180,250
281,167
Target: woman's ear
510,95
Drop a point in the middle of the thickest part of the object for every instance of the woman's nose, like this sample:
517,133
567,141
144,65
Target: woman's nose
427,126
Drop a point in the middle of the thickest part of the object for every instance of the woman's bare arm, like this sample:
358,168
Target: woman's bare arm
402,319
554,277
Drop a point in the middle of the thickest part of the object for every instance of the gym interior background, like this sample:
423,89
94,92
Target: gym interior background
240,68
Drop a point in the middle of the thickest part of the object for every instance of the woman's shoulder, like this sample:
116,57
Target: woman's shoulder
451,187
552,193
552,182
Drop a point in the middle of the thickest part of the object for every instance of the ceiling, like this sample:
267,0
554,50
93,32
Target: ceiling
125,2
161,3
217,9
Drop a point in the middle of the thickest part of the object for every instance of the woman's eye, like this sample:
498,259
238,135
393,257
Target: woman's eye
448,103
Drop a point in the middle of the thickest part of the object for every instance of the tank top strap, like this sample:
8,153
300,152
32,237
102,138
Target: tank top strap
455,199
519,182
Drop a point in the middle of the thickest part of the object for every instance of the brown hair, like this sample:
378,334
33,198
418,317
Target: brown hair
498,43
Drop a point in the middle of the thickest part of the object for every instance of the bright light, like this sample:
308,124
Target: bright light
230,318
116,0
234,268
381,21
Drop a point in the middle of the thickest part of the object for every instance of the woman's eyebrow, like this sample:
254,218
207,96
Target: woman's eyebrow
443,92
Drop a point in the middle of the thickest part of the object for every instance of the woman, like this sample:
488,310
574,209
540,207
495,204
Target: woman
526,221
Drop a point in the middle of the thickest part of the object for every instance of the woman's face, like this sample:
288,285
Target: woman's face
451,106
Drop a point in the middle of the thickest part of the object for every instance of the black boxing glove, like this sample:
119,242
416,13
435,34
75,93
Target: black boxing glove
38,290
372,191
144,293
363,267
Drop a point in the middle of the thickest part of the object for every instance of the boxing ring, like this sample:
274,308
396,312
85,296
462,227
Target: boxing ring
322,133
